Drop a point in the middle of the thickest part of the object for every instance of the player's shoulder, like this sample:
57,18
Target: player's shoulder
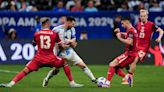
36,33
133,30
57,27
150,23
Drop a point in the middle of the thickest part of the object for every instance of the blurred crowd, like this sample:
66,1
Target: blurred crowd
81,5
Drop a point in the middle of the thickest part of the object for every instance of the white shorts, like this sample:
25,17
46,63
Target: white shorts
71,56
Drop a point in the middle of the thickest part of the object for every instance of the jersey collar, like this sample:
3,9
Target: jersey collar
45,29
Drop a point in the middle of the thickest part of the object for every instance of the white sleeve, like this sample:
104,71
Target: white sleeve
161,48
73,33
55,29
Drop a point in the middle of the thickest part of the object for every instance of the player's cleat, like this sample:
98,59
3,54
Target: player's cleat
130,80
124,81
76,85
45,82
5,85
94,81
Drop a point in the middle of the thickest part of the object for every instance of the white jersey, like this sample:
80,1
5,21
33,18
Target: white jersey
64,34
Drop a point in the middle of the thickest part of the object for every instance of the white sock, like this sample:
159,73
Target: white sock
11,83
88,72
72,82
50,74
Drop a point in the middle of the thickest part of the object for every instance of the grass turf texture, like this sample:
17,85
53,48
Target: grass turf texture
147,79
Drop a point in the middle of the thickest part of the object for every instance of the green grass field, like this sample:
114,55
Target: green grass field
147,79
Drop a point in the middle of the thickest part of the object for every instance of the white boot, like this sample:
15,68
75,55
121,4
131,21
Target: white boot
75,85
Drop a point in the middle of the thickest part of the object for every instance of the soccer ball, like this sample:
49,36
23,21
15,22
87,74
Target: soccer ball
103,82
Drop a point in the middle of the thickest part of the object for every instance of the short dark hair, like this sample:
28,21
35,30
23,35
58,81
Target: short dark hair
70,18
126,18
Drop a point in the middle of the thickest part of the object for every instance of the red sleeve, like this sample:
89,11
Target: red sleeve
57,40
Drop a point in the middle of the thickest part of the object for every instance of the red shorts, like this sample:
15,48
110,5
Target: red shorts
45,61
125,59
141,55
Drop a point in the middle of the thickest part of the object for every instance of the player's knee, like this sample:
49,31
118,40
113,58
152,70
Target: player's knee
112,64
81,64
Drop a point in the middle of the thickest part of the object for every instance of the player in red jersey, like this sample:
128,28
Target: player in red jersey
130,51
45,40
145,30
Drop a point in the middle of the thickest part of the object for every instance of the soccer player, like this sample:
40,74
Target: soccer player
130,39
45,40
67,35
145,29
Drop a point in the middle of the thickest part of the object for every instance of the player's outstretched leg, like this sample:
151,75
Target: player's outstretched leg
68,73
17,78
121,73
111,70
87,71
51,73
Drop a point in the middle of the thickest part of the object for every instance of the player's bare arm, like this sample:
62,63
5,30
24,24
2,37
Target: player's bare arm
124,34
160,34
126,41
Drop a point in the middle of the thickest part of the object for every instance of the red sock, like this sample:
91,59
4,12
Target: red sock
19,76
121,73
111,71
68,72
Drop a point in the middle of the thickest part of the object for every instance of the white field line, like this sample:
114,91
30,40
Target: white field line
8,71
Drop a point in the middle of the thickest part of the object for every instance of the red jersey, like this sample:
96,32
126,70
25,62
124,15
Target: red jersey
132,49
145,31
45,40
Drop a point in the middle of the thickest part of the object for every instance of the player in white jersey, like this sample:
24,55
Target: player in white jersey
67,35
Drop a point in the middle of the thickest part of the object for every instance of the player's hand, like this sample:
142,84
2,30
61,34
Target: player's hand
73,44
117,30
158,40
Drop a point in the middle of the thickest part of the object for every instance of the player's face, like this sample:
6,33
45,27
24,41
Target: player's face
123,23
143,16
71,24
